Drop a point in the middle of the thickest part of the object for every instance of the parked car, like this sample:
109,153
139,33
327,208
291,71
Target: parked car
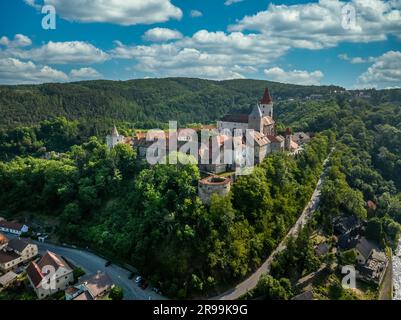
157,290
131,276
144,285
139,279
108,263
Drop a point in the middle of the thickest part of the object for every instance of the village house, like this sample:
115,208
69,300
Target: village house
374,268
364,250
93,287
13,227
15,252
45,284
7,279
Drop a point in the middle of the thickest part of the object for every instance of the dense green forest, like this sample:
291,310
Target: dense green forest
146,103
365,166
153,218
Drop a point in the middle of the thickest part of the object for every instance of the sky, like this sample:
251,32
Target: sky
354,44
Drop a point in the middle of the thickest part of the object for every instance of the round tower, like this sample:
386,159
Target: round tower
213,185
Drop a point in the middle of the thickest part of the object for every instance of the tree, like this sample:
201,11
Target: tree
374,230
116,293
273,289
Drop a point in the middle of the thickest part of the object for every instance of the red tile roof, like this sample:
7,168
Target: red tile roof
98,284
267,99
35,274
8,256
34,270
51,259
11,225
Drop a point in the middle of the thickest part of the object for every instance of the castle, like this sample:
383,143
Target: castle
265,138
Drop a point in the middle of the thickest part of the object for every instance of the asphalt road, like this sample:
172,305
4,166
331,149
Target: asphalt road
92,263
253,280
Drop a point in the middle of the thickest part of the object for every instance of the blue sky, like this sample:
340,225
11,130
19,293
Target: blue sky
302,42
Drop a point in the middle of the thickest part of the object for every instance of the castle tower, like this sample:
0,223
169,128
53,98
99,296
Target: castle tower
255,119
288,139
114,139
266,104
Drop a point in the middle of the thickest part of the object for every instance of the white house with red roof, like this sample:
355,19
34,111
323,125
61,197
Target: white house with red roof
49,275
13,227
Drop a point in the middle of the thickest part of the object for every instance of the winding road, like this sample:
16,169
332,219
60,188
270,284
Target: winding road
253,280
92,263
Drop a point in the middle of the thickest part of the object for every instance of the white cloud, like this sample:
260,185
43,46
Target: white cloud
230,2
20,40
385,72
161,34
195,14
295,76
14,71
215,55
356,60
319,25
85,74
122,12
60,53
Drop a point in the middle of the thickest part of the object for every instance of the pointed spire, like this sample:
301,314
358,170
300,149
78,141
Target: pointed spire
256,112
114,131
267,99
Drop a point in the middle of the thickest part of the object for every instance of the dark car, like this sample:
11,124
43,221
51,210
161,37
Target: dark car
131,276
144,285
108,263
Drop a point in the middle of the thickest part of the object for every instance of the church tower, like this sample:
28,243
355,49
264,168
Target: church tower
266,104
114,139
255,119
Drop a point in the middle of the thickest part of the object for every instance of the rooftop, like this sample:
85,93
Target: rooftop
18,244
267,99
239,118
215,180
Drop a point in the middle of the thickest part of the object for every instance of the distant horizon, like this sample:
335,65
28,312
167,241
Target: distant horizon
203,79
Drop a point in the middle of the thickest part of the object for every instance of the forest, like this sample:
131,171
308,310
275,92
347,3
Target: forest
152,218
147,103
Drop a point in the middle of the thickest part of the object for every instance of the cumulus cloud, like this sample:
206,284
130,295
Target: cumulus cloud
14,71
19,40
195,14
233,55
230,2
319,25
85,74
161,34
356,60
295,76
60,53
384,72
122,12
